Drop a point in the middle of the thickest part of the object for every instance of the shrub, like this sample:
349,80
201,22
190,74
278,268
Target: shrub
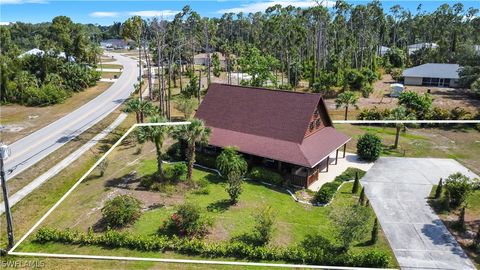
415,103
356,185
206,160
458,187
367,90
439,114
264,225
349,174
176,172
439,189
369,147
234,186
239,250
230,161
265,175
121,210
373,114
351,224
187,221
326,192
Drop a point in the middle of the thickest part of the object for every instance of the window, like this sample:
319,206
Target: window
311,126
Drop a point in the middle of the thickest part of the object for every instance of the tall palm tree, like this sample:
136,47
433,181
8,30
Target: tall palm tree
347,99
141,108
194,134
399,113
156,135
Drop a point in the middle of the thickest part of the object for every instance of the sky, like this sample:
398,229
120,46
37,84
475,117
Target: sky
107,12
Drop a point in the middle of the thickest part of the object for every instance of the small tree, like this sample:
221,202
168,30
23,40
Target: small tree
356,184
399,113
446,200
369,147
361,200
121,210
347,99
439,190
216,65
459,187
234,186
186,106
102,166
230,161
374,232
351,224
264,227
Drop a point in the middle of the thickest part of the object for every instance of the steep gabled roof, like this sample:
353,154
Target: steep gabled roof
282,115
269,123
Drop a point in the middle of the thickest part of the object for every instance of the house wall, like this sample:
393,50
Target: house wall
453,83
413,80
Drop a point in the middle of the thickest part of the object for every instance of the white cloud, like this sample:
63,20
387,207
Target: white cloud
262,6
4,23
103,14
18,2
154,13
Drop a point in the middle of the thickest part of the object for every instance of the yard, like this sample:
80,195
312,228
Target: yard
128,165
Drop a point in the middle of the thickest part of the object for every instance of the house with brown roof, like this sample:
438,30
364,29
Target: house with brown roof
290,131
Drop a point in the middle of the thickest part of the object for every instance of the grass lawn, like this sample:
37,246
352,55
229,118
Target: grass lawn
294,221
19,121
110,75
110,66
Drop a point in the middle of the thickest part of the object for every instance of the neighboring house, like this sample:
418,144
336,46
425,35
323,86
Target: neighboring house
117,44
415,47
288,131
38,52
202,59
476,48
440,75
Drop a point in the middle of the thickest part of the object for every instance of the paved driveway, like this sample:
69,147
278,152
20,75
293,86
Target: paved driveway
397,189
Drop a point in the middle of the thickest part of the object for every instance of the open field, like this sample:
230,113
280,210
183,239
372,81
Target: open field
110,66
110,75
18,121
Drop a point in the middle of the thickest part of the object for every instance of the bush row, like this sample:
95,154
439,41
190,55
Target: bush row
435,113
265,175
238,250
328,190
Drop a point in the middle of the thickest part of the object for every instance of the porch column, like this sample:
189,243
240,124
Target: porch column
328,162
279,166
336,157
344,149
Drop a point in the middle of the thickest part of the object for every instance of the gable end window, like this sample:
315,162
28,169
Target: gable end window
311,126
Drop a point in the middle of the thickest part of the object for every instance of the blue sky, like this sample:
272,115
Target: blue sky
106,12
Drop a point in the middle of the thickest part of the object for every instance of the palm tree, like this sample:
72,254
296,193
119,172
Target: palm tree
193,134
141,108
399,113
156,135
347,99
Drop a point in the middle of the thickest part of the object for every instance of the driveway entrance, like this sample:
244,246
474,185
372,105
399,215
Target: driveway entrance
398,189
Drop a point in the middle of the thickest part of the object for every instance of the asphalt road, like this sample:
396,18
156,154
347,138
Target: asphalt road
398,189
34,147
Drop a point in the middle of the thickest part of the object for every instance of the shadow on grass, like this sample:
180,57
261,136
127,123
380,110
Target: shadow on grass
219,206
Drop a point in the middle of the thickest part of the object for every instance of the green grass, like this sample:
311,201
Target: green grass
294,221
110,66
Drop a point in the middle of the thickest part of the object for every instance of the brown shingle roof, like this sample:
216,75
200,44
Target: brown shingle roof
268,123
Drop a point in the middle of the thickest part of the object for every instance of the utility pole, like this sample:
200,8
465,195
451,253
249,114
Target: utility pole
4,154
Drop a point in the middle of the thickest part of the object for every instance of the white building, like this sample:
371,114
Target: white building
439,75
415,47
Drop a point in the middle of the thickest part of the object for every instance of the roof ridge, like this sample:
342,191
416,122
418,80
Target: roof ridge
269,89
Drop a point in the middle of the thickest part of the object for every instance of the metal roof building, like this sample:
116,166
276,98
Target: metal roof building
432,74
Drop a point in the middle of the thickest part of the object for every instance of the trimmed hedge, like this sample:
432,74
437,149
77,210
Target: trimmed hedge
328,190
239,250
265,175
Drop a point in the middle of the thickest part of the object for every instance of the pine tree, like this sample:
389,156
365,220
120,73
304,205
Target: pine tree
438,191
356,184
361,200
374,232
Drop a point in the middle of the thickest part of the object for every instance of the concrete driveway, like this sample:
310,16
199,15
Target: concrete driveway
398,189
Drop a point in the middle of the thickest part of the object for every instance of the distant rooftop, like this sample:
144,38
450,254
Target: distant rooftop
433,70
